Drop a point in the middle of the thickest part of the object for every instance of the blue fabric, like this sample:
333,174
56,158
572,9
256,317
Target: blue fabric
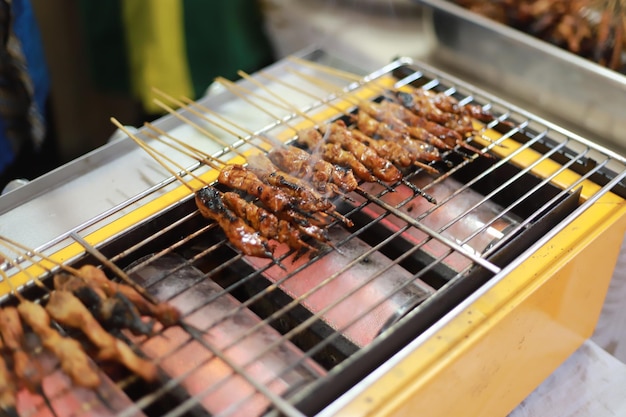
27,31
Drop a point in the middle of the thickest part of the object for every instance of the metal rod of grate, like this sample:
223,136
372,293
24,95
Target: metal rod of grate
518,124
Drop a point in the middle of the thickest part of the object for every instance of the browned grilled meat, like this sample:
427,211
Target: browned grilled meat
384,170
114,312
309,199
239,233
266,223
240,178
394,151
164,312
28,372
399,119
74,361
414,120
67,310
334,153
327,178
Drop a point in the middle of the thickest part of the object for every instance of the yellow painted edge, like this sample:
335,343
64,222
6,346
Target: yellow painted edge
156,48
427,360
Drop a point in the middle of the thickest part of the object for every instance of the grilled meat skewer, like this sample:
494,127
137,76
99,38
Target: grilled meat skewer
239,233
300,190
369,126
165,313
66,309
334,153
392,151
265,222
411,119
241,178
113,312
400,120
445,103
28,372
263,167
74,361
327,178
337,132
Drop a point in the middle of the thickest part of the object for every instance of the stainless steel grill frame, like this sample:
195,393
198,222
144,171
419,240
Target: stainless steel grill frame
159,235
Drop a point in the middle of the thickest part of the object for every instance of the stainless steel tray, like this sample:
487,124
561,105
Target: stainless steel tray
558,85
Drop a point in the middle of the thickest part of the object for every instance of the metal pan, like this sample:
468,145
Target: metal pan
551,82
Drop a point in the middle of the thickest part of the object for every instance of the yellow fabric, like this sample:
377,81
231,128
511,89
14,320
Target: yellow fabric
156,49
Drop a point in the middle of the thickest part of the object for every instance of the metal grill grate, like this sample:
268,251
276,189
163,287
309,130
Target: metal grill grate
289,336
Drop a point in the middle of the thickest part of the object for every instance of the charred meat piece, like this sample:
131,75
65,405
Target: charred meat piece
67,310
334,153
74,361
327,178
265,222
165,313
384,170
263,167
114,312
239,233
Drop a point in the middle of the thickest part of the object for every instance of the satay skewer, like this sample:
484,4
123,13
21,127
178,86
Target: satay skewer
121,274
64,308
276,201
239,233
275,194
166,314
74,313
265,222
358,156
338,184
438,102
370,82
271,175
334,153
385,144
428,131
73,360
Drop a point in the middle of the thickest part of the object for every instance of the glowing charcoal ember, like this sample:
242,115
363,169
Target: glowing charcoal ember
225,327
69,400
364,295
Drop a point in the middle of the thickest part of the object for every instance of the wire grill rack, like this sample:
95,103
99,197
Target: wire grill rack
289,336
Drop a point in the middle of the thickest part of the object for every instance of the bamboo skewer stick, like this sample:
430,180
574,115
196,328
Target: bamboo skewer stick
201,129
158,156
187,102
232,123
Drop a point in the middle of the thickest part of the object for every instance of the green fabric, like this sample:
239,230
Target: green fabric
221,37
105,44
